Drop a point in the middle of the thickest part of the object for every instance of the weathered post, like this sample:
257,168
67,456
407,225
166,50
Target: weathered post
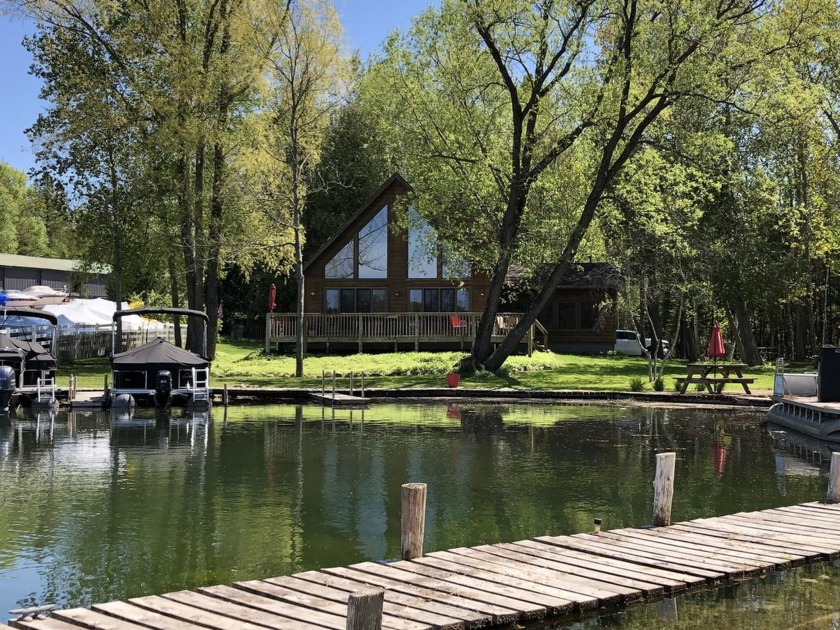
834,480
351,383
413,520
323,385
363,384
225,396
364,610
333,377
663,489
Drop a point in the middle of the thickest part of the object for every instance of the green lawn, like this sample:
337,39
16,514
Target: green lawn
241,363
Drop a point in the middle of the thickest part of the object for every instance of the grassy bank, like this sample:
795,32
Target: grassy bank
241,363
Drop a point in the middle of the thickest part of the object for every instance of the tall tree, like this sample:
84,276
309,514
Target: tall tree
307,82
492,93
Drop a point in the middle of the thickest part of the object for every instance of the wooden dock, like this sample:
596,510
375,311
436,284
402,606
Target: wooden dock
495,585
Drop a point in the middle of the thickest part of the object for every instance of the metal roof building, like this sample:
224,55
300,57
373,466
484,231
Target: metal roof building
20,272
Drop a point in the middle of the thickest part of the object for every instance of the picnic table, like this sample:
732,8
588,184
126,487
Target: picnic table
714,376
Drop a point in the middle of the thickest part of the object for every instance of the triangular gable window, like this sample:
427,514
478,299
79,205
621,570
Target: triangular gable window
371,243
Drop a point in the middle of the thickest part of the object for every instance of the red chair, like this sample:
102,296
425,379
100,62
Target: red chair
458,324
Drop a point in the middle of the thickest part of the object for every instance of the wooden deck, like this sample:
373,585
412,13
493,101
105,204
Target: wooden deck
394,329
495,585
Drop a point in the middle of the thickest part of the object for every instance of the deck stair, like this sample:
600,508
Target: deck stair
495,585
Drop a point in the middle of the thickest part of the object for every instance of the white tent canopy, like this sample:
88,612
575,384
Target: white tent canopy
96,312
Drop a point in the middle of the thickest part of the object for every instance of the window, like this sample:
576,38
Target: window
588,315
373,247
341,266
366,255
453,265
429,258
422,247
444,300
566,316
355,301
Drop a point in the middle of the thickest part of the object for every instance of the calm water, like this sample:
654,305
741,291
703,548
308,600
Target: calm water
94,511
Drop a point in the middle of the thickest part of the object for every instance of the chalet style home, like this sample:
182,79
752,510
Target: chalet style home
378,285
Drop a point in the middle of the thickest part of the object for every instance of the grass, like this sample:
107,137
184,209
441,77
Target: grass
241,363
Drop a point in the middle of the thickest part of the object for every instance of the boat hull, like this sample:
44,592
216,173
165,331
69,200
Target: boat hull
813,419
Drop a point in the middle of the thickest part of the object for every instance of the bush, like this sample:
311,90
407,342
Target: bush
659,385
637,385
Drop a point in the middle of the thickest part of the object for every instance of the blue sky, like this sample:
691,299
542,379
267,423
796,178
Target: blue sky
366,23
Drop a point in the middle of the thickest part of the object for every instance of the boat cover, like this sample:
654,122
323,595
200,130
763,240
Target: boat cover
34,353
158,354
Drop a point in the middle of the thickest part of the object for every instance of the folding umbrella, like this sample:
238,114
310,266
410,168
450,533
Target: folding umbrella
272,297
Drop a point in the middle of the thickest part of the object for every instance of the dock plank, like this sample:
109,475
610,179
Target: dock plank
496,614
560,570
493,585
672,581
86,618
328,599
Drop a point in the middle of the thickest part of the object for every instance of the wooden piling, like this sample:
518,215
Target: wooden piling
351,383
834,480
323,382
413,520
333,375
663,489
363,384
364,610
225,396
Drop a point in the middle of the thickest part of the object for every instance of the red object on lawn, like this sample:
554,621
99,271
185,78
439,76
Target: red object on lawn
453,379
716,349
272,297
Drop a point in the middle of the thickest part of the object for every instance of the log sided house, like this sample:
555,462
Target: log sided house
378,284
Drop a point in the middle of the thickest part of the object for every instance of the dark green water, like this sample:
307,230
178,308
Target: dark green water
91,511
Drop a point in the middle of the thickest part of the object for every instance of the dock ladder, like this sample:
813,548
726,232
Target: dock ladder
45,391
201,385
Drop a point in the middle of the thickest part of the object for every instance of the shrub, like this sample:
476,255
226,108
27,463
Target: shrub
636,384
659,384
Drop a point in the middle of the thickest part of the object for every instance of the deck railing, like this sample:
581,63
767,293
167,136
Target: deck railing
395,328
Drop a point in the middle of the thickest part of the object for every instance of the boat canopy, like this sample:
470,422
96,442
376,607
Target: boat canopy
33,353
158,354
25,313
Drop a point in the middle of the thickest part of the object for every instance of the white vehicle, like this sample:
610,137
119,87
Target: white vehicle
629,342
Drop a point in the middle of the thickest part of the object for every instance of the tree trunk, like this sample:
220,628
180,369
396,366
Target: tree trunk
750,353
175,295
195,336
211,285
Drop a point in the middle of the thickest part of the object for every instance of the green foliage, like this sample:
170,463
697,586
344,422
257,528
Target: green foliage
637,384
659,385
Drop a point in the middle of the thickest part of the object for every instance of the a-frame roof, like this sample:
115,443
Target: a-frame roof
395,181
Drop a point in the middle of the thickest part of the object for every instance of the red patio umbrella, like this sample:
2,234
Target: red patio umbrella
272,297
716,349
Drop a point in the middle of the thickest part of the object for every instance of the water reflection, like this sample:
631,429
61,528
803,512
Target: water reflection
116,506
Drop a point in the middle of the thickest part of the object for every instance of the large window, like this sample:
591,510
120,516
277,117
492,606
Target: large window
366,255
355,301
567,316
341,266
422,247
373,247
439,300
588,315
429,258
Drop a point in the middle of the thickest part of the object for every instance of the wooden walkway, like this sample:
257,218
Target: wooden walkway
495,585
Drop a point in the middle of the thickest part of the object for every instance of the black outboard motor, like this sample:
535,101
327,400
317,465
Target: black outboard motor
7,386
163,388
